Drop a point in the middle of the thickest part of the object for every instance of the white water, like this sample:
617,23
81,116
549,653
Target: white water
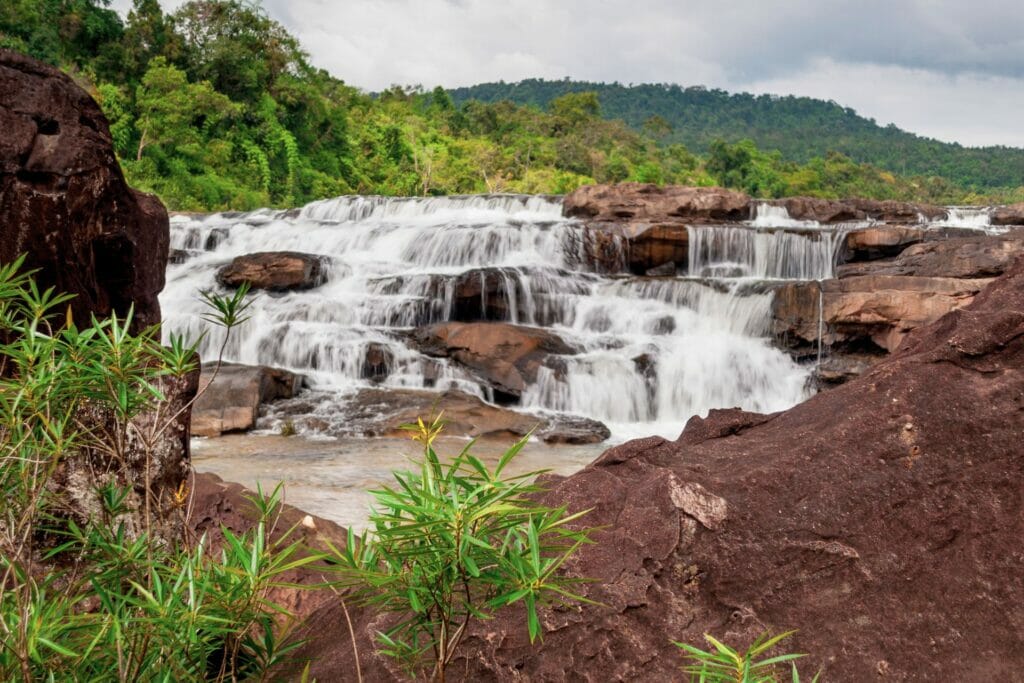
769,216
968,218
654,352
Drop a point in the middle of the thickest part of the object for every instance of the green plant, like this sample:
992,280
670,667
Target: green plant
727,665
456,542
95,587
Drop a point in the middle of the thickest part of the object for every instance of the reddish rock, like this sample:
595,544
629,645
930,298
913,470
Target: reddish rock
64,200
232,402
882,519
648,203
821,210
275,271
970,257
505,356
890,211
880,241
1008,215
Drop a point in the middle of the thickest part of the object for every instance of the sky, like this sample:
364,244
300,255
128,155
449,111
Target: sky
948,69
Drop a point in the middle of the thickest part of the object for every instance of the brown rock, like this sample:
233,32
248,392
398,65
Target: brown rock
232,402
880,241
890,211
275,271
821,210
876,311
967,257
882,519
648,203
64,200
1008,215
505,356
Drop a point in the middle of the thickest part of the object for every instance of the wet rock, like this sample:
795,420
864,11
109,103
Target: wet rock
1008,215
882,241
179,256
843,517
890,211
667,269
839,369
977,256
869,312
232,402
505,356
65,203
821,210
275,271
573,429
646,203
377,362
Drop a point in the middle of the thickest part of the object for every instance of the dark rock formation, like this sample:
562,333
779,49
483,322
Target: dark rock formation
977,256
232,402
377,362
275,271
882,519
880,241
505,356
645,203
65,203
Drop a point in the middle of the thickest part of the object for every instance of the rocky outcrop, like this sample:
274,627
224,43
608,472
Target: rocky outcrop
967,257
382,412
868,312
881,519
1008,215
889,211
65,203
880,241
821,210
274,271
231,396
646,203
507,357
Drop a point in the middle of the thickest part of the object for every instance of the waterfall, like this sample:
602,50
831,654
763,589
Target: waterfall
652,352
770,216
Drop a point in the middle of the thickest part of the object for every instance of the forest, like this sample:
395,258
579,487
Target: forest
216,106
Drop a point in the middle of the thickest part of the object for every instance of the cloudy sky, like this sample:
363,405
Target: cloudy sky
950,69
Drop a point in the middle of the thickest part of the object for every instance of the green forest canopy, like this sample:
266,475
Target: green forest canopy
216,107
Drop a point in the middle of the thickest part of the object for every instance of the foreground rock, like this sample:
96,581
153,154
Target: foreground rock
382,412
507,357
64,201
274,271
232,402
882,519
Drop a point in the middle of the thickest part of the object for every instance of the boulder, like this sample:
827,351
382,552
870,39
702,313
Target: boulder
505,356
378,360
1008,215
231,403
275,271
977,256
65,203
647,203
880,241
882,520
890,211
820,210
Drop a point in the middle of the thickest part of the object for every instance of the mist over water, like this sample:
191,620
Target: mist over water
654,351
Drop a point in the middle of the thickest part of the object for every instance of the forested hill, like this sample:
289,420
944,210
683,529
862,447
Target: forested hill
801,128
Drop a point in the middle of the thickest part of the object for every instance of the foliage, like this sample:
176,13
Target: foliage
456,542
215,107
800,128
727,665
96,591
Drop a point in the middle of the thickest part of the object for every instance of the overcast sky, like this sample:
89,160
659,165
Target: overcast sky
949,69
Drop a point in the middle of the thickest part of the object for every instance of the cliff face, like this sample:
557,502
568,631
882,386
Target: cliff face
64,201
882,519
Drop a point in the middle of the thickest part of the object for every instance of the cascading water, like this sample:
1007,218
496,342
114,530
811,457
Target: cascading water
653,351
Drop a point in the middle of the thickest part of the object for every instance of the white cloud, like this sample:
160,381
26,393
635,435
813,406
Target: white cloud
943,68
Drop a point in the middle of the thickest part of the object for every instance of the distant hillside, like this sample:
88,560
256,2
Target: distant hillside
799,127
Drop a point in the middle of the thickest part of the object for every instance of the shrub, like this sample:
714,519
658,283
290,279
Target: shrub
727,665
456,542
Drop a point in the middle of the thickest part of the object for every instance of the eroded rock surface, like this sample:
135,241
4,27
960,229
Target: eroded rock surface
639,202
232,402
